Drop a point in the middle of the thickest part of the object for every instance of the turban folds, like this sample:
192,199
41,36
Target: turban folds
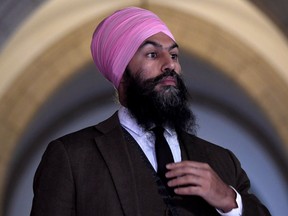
118,37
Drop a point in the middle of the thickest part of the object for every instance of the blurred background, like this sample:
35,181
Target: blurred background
234,56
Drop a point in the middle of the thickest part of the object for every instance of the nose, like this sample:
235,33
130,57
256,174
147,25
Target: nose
168,63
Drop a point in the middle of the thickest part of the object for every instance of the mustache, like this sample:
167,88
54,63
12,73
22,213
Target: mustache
167,73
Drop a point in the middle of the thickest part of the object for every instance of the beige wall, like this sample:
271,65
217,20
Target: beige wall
52,45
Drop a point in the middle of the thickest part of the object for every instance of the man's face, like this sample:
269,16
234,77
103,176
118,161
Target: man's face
157,54
153,89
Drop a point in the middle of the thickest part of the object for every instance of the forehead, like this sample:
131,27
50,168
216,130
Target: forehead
160,40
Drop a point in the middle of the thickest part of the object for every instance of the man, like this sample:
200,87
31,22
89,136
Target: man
144,160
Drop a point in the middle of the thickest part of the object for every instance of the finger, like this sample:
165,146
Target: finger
181,171
194,164
189,190
186,180
188,170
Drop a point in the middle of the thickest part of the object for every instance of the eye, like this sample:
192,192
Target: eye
152,55
174,56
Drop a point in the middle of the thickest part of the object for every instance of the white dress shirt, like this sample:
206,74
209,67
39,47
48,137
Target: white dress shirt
146,139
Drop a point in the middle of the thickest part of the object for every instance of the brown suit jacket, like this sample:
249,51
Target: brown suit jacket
94,172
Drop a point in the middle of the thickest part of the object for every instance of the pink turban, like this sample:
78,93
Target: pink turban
117,38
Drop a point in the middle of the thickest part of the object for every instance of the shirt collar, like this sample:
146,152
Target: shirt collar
128,121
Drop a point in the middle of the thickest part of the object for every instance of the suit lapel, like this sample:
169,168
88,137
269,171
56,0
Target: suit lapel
192,146
115,153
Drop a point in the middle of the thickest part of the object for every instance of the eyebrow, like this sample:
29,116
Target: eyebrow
153,43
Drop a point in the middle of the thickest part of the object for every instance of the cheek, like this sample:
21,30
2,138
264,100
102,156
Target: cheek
178,69
148,71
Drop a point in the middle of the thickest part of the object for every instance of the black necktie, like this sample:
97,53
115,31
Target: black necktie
163,155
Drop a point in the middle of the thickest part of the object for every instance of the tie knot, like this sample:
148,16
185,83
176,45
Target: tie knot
158,130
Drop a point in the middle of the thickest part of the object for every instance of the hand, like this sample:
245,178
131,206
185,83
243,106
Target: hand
195,178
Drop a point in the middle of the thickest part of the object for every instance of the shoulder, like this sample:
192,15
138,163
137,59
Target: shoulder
202,144
91,132
86,137
215,151
210,146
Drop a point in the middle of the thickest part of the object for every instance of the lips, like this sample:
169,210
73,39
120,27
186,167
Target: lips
169,80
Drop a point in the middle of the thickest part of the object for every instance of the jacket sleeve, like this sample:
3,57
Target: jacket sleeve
251,204
54,191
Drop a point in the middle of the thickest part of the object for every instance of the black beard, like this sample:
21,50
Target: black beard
167,106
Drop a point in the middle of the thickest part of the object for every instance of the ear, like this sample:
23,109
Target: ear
121,91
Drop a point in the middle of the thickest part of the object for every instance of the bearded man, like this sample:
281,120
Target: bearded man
145,159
